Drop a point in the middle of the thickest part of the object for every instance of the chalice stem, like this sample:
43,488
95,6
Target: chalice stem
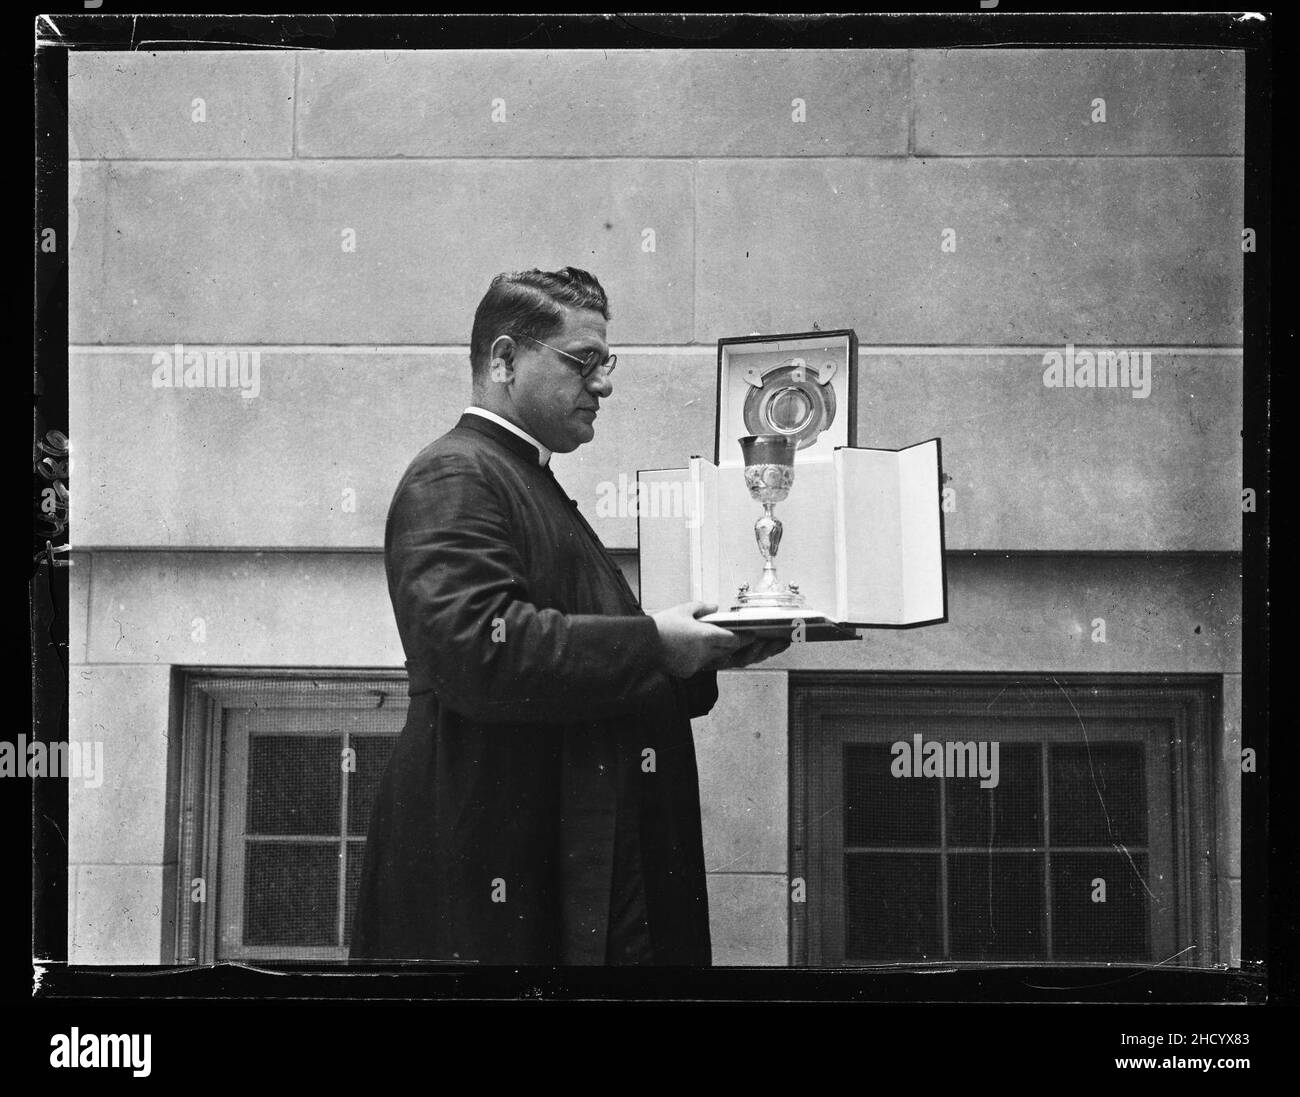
767,531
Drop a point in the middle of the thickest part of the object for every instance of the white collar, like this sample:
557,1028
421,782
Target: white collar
543,454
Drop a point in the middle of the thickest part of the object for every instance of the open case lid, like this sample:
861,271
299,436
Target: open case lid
890,566
863,537
802,384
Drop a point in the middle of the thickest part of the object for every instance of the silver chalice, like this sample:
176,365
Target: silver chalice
769,474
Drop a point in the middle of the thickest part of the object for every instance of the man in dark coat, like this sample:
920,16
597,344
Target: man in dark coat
541,805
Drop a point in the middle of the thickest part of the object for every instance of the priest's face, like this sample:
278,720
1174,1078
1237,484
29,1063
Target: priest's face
555,405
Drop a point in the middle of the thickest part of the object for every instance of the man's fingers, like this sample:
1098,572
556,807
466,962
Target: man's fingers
732,639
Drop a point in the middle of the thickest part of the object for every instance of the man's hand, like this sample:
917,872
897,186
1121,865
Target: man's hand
688,646
755,651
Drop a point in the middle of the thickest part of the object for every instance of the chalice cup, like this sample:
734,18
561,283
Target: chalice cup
769,474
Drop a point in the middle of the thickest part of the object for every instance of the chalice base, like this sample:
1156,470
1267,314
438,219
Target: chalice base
780,597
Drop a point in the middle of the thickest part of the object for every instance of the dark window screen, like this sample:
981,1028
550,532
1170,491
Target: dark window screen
973,884
301,770
1070,856
290,897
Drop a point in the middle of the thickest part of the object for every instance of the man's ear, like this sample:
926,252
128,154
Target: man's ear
502,368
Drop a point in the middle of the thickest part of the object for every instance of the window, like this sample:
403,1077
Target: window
278,778
974,819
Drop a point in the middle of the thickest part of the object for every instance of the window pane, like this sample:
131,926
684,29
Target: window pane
881,809
891,903
996,904
356,856
1010,813
291,893
1099,794
294,784
1088,930
372,756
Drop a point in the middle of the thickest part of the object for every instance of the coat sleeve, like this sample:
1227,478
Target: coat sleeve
701,692
471,631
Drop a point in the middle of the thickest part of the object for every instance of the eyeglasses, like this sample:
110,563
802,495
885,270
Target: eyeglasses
586,366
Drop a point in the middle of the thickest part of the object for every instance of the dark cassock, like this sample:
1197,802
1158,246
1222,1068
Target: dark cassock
541,805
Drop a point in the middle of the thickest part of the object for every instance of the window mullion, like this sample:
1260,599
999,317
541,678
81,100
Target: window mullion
943,868
342,883
1047,847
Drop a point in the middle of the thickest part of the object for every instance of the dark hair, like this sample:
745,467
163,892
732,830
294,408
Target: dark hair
530,303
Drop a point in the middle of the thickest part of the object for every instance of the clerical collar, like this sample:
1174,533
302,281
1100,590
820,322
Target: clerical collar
543,454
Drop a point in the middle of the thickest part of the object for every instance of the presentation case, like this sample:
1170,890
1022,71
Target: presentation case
862,527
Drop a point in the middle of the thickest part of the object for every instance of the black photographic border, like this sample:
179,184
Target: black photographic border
1268,914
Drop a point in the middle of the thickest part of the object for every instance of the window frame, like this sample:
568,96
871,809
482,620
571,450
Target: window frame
1191,706
201,825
